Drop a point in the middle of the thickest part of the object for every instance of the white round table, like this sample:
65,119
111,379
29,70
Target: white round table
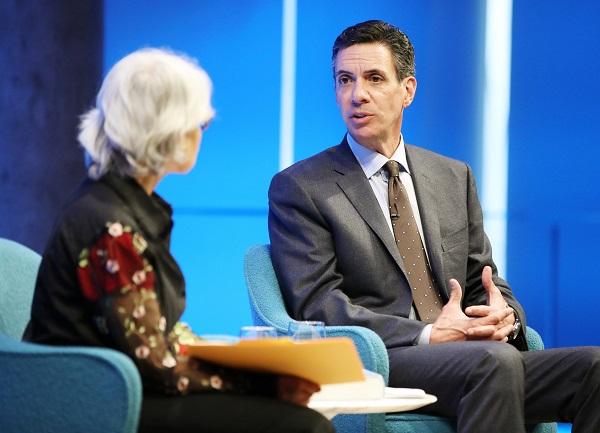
331,408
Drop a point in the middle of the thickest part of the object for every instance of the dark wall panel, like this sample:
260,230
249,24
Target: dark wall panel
51,57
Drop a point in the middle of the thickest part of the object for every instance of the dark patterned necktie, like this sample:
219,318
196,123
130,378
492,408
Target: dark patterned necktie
426,297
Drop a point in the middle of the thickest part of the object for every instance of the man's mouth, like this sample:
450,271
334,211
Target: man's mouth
361,118
360,115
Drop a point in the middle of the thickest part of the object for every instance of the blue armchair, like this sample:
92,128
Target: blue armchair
50,388
268,308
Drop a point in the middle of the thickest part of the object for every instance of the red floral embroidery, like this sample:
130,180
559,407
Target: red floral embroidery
114,264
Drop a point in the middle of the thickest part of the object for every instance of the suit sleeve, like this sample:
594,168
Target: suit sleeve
303,250
480,255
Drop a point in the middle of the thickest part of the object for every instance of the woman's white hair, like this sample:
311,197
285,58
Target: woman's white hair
147,103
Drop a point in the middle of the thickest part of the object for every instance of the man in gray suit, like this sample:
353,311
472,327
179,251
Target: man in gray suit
377,233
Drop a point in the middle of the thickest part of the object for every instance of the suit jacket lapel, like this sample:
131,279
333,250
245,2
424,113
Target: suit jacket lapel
356,187
426,199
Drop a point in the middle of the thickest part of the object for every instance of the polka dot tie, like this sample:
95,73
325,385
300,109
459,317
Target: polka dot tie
426,297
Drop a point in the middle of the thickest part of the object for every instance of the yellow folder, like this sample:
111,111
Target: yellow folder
323,361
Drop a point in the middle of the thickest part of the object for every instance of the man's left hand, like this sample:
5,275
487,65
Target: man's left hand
495,302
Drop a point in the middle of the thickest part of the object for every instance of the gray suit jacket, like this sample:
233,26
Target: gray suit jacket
335,256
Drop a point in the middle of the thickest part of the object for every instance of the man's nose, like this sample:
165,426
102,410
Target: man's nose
359,93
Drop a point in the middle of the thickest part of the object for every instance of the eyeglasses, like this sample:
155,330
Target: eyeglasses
204,126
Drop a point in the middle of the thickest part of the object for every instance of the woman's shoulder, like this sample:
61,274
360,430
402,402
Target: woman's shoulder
95,202
89,213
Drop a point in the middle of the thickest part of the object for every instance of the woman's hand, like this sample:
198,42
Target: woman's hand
295,390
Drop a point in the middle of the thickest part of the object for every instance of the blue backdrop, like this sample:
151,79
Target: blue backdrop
221,207
554,193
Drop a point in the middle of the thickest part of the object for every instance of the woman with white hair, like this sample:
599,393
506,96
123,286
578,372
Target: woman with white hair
107,277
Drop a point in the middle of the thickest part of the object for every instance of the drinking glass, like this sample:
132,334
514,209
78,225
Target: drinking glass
306,330
256,332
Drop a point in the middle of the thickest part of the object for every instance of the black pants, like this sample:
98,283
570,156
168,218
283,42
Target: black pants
227,413
492,387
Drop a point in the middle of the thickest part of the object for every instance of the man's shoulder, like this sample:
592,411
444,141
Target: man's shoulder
422,156
422,152
321,162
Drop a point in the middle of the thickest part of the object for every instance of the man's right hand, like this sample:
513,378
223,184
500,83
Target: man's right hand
454,325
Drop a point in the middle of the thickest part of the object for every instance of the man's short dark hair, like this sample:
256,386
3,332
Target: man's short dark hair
377,31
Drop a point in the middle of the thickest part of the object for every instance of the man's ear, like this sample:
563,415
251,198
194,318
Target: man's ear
410,87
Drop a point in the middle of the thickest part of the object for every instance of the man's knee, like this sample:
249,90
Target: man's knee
594,356
591,359
502,364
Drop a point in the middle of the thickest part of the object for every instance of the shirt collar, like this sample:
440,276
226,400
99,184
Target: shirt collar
371,161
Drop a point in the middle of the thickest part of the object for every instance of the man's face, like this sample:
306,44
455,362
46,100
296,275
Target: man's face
370,97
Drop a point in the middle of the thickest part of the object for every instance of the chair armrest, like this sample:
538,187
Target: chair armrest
370,347
534,340
67,389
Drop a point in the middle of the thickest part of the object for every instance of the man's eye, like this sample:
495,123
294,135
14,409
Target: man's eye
343,80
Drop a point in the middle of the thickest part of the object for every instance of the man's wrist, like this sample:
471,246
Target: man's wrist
516,327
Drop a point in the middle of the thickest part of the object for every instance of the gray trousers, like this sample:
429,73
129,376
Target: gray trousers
492,387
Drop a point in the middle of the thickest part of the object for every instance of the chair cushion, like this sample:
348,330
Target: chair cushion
18,269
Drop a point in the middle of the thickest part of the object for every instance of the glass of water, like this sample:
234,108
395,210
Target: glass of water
306,330
257,332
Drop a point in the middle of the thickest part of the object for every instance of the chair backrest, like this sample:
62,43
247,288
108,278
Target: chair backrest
67,389
101,387
266,301
18,271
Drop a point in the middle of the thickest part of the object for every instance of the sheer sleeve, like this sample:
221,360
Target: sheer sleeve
116,275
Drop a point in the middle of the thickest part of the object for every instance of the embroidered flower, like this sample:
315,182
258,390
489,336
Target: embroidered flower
84,258
169,361
112,266
139,243
142,352
182,384
216,382
115,230
139,277
139,312
162,324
